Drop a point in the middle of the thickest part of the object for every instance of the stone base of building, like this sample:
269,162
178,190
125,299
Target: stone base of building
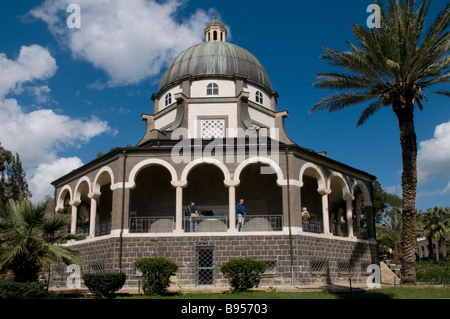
296,259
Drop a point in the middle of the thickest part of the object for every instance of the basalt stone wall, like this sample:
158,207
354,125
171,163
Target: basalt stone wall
315,259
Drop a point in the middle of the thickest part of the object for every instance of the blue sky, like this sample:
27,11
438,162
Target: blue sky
67,94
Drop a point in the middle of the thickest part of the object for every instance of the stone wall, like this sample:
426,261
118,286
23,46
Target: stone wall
316,259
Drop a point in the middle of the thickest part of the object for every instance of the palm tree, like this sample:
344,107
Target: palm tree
391,232
435,224
30,240
393,66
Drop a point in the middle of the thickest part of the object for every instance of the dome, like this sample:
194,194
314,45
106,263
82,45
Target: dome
216,59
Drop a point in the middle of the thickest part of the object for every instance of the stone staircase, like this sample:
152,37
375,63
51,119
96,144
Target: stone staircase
389,273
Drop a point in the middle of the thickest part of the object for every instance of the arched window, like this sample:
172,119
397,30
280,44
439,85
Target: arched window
212,89
259,97
168,99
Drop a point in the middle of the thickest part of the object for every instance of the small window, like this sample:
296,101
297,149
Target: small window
213,128
212,89
259,97
205,266
168,99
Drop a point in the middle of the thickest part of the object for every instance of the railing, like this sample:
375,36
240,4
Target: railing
164,224
103,228
263,222
339,229
313,226
82,229
206,224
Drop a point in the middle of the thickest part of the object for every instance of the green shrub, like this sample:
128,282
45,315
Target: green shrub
433,272
156,272
105,284
23,290
243,274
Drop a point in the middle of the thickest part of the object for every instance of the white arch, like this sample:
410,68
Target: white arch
205,160
364,190
317,173
77,194
342,182
152,161
264,160
107,169
60,199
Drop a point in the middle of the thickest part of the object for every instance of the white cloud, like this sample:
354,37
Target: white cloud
128,39
38,135
46,173
33,63
433,157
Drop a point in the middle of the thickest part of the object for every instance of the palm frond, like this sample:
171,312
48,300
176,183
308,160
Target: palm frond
368,112
339,101
394,63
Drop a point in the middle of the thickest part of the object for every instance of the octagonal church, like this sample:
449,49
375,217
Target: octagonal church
217,136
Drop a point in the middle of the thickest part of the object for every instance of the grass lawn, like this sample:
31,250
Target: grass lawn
385,293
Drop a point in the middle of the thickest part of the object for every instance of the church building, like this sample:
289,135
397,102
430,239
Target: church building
216,136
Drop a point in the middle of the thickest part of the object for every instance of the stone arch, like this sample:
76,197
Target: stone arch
342,182
77,193
340,222
317,173
205,160
104,170
152,161
262,160
62,194
364,190
152,194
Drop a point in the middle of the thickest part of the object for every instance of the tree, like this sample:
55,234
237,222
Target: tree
17,183
13,183
5,160
435,224
391,233
393,66
383,202
30,240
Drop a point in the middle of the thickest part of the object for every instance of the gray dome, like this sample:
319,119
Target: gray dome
216,59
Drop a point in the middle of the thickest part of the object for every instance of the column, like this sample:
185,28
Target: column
358,215
120,206
348,205
231,184
325,214
93,213
73,224
179,185
370,219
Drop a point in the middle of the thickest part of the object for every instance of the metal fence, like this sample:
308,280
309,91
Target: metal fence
313,226
206,224
103,228
263,223
163,224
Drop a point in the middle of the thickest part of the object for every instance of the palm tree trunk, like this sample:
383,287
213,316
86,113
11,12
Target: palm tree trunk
405,115
442,249
430,248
